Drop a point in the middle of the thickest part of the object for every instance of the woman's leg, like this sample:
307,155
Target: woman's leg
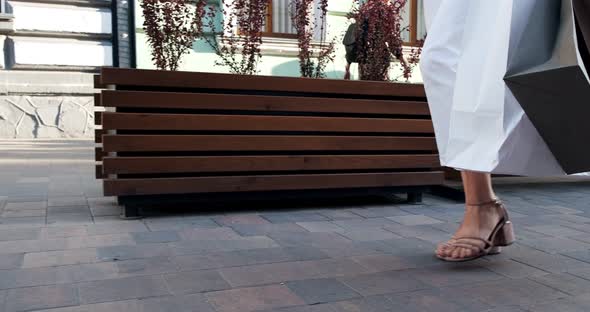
479,220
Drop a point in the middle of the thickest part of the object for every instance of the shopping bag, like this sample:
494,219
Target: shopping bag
548,77
479,124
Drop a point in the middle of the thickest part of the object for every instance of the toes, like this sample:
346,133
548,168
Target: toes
456,254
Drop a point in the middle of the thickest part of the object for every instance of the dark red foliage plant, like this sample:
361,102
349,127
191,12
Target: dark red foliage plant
307,24
172,26
379,39
238,47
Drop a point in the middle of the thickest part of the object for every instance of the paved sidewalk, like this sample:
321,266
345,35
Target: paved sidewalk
63,248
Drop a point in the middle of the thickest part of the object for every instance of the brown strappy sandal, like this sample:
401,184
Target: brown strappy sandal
501,236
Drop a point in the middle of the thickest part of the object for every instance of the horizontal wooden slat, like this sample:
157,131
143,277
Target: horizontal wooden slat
196,80
137,165
176,100
99,172
97,118
96,79
98,133
122,187
137,121
136,143
99,153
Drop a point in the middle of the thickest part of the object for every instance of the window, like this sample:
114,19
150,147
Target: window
414,18
2,6
278,20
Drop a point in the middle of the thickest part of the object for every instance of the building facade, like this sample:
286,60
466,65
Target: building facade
51,48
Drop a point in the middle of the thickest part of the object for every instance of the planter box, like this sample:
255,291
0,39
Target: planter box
178,133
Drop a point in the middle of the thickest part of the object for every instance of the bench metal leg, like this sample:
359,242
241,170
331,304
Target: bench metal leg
130,212
414,197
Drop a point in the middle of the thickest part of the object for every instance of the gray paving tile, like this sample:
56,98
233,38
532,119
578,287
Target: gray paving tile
432,300
294,216
11,261
57,258
266,229
321,226
195,282
68,209
122,289
450,274
510,268
38,298
384,283
565,282
512,292
207,246
117,306
247,257
147,266
414,220
69,218
155,237
253,299
67,201
19,234
118,253
317,291
185,303
116,227
318,240
363,234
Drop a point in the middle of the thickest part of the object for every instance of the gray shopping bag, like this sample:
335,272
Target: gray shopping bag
547,75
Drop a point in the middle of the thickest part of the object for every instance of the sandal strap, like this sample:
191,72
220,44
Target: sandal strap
466,241
495,201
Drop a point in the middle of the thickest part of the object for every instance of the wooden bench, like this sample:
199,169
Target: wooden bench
167,135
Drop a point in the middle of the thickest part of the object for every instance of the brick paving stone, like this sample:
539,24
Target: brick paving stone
575,304
122,289
195,282
220,233
67,201
414,220
116,228
12,223
155,237
564,282
554,230
53,232
317,291
11,261
185,303
511,292
423,232
318,240
555,244
117,306
207,246
69,218
432,300
230,220
254,299
147,266
384,283
379,211
42,297
351,249
293,216
338,214
370,223
68,209
548,262
19,234
450,274
117,253
267,229
16,206
57,258
262,274
96,241
321,226
380,262
510,268
164,224
247,257
363,235
23,213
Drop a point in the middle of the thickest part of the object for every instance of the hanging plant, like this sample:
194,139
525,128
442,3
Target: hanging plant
172,26
307,24
238,47
378,39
